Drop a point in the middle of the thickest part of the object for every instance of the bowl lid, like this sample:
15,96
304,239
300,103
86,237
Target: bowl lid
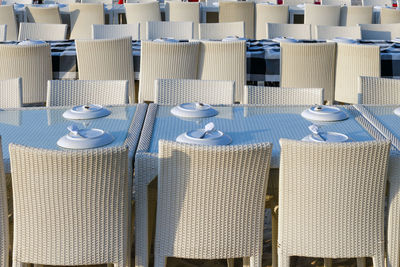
85,138
85,112
194,110
324,113
210,138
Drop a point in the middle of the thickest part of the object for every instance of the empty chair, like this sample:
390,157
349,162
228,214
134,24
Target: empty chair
142,12
82,92
107,59
184,11
82,17
33,64
269,14
331,200
321,15
116,31
354,15
393,235
219,31
3,32
7,16
309,66
330,32
389,16
49,15
11,94
4,231
160,60
282,96
79,205
336,2
233,182
298,31
181,30
238,11
380,31
378,91
296,2
178,91
376,2
224,61
354,61
41,31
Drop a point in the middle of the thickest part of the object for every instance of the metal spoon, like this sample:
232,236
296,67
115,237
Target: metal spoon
315,130
74,130
207,129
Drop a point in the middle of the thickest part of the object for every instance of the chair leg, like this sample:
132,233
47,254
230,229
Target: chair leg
255,261
230,262
160,261
361,262
327,262
283,259
274,224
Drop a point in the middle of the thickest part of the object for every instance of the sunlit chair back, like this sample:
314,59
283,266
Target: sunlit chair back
231,11
298,31
100,31
269,14
378,91
141,13
49,15
221,30
42,31
7,16
82,16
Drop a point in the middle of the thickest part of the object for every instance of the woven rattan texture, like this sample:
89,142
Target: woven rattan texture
180,30
3,32
116,31
7,16
380,31
42,31
298,31
324,32
269,14
378,91
11,93
389,16
142,12
184,11
393,235
354,15
219,31
231,11
4,231
83,16
50,15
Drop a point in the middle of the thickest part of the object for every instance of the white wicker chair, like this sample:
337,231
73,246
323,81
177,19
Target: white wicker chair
166,60
224,61
184,11
219,31
354,61
31,63
82,17
282,96
4,231
354,15
269,14
178,91
331,200
81,92
3,32
107,59
11,93
41,31
225,218
378,91
142,12
7,16
309,66
49,15
330,32
380,31
238,11
393,235
336,2
389,16
181,30
74,207
376,2
298,31
116,31
321,15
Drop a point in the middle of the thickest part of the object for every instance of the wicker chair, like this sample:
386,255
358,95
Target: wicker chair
389,16
330,32
4,231
181,30
219,31
282,96
298,31
141,13
72,93
184,11
41,31
309,66
331,200
354,61
74,207
378,91
393,235
82,17
31,63
376,2
321,15
269,14
3,32
166,60
7,16
238,11
116,31
222,220
224,61
97,1
48,15
380,31
178,91
109,59
296,2
11,93
354,15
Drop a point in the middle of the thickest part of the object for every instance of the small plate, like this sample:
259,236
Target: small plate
301,6
324,113
166,40
86,112
216,138
397,111
194,110
233,39
87,138
330,137
285,40
343,40
31,42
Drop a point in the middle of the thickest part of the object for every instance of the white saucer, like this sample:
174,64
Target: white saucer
87,138
330,137
397,111
396,40
285,40
233,39
216,138
86,112
166,40
194,110
324,113
343,40
31,42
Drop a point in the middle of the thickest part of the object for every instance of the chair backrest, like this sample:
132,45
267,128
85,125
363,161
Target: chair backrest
116,31
380,31
321,15
233,182
42,31
352,61
142,12
378,91
354,15
336,2
79,205
389,16
3,32
107,59
376,2
178,91
7,16
330,32
393,228
224,61
219,31
4,224
184,11
331,198
309,66
230,11
298,31
181,30
82,92
33,64
166,60
97,1
296,2
83,16
266,13
49,15
282,96
11,93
